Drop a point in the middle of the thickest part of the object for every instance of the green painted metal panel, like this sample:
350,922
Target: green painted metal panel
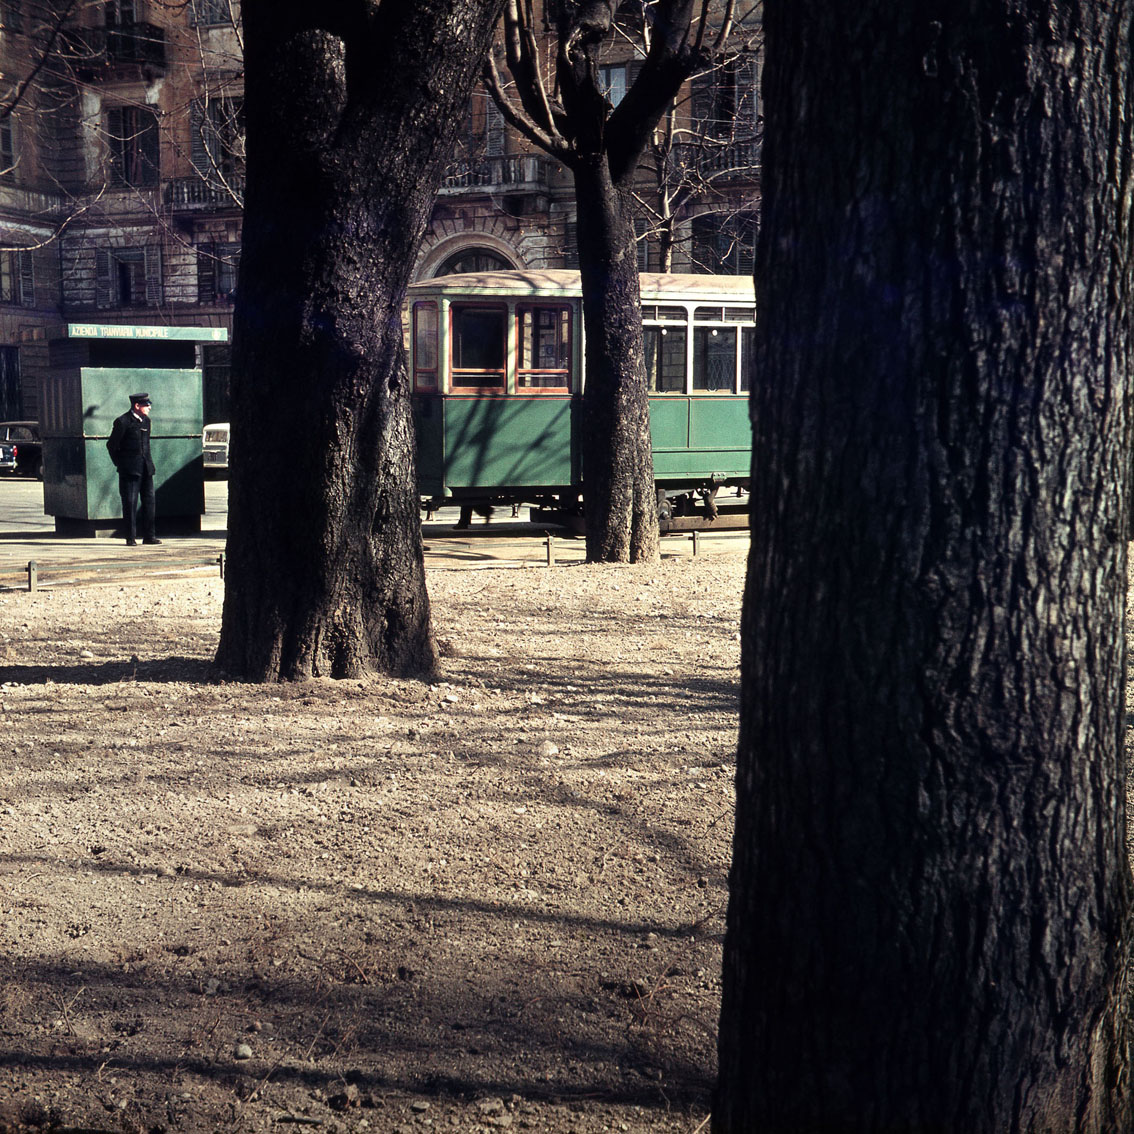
719,423
669,423
81,482
102,499
178,409
429,427
64,477
533,442
507,441
179,481
695,438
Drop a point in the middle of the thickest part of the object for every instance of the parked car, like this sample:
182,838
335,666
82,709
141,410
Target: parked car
215,443
29,448
7,457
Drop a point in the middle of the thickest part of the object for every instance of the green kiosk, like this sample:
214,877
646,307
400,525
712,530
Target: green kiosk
93,370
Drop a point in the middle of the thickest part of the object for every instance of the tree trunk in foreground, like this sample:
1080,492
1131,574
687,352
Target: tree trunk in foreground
929,923
351,109
618,463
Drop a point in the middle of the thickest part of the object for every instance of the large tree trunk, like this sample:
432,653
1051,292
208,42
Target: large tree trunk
618,464
929,923
351,110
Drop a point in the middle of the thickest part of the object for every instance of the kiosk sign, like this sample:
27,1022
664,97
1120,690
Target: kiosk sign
143,333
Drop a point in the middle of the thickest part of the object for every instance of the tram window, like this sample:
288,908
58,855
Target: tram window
425,346
747,357
544,348
665,359
478,345
709,314
663,313
714,359
740,314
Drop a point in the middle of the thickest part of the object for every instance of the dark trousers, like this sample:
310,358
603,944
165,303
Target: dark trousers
136,490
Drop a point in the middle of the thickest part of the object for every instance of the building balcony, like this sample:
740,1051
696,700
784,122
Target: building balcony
516,174
714,160
116,54
192,194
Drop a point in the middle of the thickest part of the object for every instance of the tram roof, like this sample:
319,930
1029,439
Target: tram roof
655,286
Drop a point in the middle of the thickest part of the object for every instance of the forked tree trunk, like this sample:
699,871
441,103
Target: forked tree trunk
351,109
929,922
618,466
575,123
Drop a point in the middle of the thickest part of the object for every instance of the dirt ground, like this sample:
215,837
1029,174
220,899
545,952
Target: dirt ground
496,901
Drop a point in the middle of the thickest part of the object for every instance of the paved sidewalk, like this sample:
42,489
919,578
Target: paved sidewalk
27,535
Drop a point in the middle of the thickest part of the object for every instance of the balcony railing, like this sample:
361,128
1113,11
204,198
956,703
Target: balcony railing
198,193
516,174
716,160
105,51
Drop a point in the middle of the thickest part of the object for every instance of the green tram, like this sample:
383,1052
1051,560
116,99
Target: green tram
497,364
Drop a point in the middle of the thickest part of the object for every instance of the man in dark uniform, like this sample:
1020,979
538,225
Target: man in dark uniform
129,447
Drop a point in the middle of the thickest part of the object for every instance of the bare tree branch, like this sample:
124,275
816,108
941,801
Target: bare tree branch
553,142
9,104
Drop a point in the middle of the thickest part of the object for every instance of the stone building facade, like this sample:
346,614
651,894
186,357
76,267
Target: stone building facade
121,156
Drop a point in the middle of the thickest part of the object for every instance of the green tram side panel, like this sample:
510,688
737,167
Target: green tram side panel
429,433
466,443
699,437
517,441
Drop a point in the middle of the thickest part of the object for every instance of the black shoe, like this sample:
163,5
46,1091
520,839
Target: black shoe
131,543
152,539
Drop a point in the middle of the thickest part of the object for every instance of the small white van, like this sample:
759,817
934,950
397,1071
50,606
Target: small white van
215,443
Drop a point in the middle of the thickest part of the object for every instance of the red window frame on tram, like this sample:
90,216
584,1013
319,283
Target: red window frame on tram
544,335
478,347
425,326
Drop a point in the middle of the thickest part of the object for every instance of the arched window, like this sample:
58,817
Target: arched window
474,260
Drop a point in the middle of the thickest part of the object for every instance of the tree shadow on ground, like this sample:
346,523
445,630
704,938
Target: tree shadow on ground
161,670
432,1026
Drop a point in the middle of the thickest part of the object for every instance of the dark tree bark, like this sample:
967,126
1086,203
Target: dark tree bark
351,109
602,146
929,923
618,460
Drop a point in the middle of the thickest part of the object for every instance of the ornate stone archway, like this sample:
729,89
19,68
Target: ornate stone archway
441,256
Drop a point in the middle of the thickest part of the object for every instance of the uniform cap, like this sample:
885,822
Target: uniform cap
140,400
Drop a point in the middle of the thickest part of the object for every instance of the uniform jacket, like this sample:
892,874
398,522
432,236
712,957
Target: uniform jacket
129,445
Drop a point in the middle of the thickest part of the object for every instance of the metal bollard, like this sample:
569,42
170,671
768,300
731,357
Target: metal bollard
694,537
220,564
33,576
550,551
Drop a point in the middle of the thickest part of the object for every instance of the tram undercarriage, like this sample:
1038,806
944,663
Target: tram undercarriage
683,508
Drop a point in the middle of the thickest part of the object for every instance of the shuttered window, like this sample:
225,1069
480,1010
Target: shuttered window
216,137
204,12
493,130
216,272
17,282
725,244
571,244
132,140
724,99
128,277
7,148
642,243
